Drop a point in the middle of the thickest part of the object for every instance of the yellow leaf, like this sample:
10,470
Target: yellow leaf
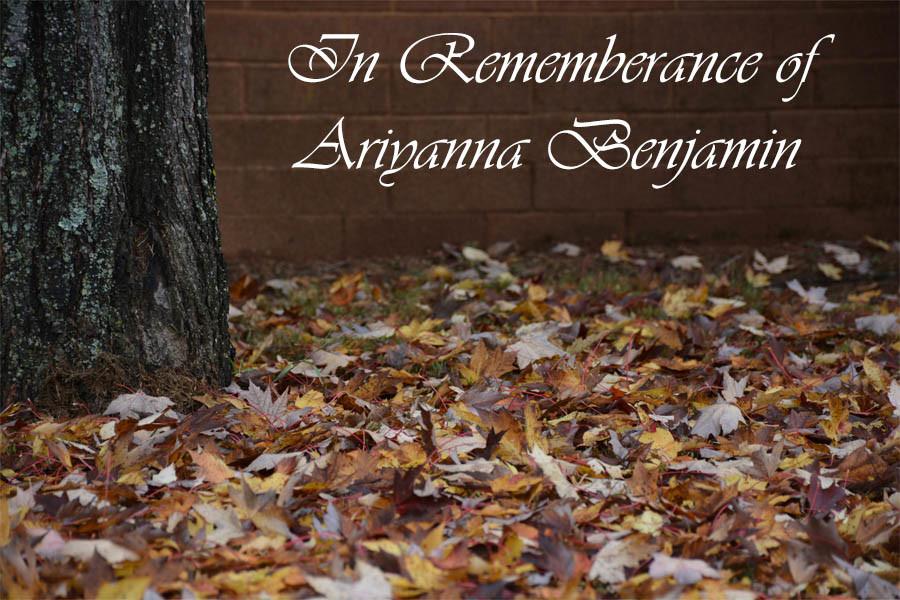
433,540
440,273
878,243
837,424
132,478
422,332
831,271
647,522
757,280
5,525
877,377
662,442
259,580
275,481
533,426
680,302
614,251
387,546
795,462
537,293
423,573
311,399
406,456
514,483
130,588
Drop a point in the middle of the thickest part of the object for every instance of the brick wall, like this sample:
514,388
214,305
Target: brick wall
845,185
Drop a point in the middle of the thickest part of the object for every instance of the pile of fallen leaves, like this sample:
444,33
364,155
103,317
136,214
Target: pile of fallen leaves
487,424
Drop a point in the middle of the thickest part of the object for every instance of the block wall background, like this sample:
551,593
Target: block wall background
845,185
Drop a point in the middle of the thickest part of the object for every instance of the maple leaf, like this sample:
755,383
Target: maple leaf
876,375
894,397
687,262
823,499
164,477
211,467
534,345
716,419
610,562
475,254
661,440
733,389
685,570
774,266
845,256
879,324
84,549
868,585
567,249
274,410
551,469
134,406
129,588
370,584
813,295
226,525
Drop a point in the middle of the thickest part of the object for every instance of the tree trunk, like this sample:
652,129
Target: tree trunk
110,243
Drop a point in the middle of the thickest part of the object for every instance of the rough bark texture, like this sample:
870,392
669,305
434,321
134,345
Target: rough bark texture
110,240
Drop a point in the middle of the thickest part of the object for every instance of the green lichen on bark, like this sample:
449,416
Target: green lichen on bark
108,224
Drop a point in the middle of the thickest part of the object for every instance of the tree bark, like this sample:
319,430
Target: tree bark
110,247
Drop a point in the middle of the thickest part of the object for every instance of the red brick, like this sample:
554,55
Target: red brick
876,184
225,89
449,94
595,189
281,141
747,226
423,128
859,34
272,192
216,5
808,184
275,192
769,5
270,142
762,91
560,33
535,228
321,5
611,95
845,184
840,134
276,90
292,239
301,191
711,125
385,235
464,5
856,84
462,190
647,126
603,5
722,32
540,128
230,192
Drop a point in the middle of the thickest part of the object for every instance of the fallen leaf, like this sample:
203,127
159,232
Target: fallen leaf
716,419
370,584
685,570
